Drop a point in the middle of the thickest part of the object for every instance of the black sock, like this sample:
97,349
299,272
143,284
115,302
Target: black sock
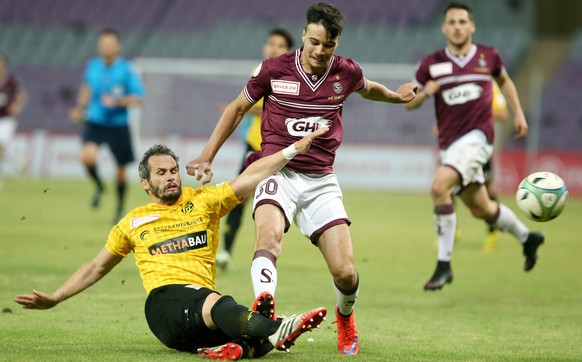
92,171
443,266
121,187
237,320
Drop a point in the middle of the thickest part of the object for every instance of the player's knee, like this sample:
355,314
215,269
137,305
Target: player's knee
269,240
345,276
439,190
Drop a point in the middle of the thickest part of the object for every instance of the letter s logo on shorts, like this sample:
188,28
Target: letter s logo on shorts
462,94
304,126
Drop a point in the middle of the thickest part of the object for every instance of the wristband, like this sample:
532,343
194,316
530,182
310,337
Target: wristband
290,152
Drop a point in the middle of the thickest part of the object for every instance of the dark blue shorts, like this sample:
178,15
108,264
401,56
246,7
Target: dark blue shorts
117,138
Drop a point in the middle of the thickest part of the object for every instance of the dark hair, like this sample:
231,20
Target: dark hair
457,5
285,35
155,150
110,31
327,15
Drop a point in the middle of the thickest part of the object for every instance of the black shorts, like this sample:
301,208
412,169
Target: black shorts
174,315
117,138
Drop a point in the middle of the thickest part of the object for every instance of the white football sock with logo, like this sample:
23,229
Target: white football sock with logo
507,221
345,303
446,225
263,276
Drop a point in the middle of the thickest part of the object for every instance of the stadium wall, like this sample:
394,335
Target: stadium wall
358,166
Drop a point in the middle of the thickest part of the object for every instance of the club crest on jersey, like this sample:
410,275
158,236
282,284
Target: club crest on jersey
304,126
462,94
482,68
144,235
180,244
137,221
285,87
337,88
188,208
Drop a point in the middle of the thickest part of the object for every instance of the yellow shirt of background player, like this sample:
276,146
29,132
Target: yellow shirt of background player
175,244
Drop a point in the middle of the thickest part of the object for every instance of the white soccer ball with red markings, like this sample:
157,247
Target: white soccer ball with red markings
542,196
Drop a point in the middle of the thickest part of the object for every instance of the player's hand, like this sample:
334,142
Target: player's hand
109,101
76,115
198,168
37,300
407,92
431,87
303,144
521,127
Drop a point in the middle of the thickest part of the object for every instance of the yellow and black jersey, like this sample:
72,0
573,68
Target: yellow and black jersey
175,244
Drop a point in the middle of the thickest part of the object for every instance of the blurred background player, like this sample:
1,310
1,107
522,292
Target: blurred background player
278,42
13,98
500,114
303,91
460,77
110,86
183,309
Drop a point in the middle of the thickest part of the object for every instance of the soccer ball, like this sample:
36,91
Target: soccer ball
542,196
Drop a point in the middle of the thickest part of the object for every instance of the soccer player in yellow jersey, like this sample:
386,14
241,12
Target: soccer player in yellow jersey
174,239
278,42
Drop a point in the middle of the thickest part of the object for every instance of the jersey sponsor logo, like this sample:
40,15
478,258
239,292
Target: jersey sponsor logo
462,94
440,69
188,208
180,244
337,87
137,221
304,126
285,87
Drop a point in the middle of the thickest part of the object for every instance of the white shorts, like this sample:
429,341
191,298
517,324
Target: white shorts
467,155
314,202
7,130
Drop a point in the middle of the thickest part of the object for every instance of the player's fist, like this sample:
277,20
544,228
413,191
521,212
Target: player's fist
303,144
407,92
431,87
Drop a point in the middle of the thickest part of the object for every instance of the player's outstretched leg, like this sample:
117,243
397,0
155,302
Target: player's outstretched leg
530,248
226,352
347,333
292,327
265,305
442,275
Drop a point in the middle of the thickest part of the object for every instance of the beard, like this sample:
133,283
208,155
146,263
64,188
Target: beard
167,195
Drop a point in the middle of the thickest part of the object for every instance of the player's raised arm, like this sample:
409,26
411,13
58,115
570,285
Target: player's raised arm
227,123
375,91
259,170
87,275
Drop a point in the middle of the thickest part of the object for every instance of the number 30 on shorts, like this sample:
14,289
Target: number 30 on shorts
269,187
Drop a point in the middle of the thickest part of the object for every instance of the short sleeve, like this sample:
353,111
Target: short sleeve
498,63
422,74
134,85
118,242
259,85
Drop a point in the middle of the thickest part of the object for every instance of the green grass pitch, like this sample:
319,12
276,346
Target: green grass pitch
493,311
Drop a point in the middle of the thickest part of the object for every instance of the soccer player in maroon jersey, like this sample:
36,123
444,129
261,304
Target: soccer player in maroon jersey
303,90
459,77
13,98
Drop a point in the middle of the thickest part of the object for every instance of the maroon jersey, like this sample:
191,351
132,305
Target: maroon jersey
463,102
9,88
297,103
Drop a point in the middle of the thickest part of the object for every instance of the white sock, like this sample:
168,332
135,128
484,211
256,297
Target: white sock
345,303
507,221
263,276
446,225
